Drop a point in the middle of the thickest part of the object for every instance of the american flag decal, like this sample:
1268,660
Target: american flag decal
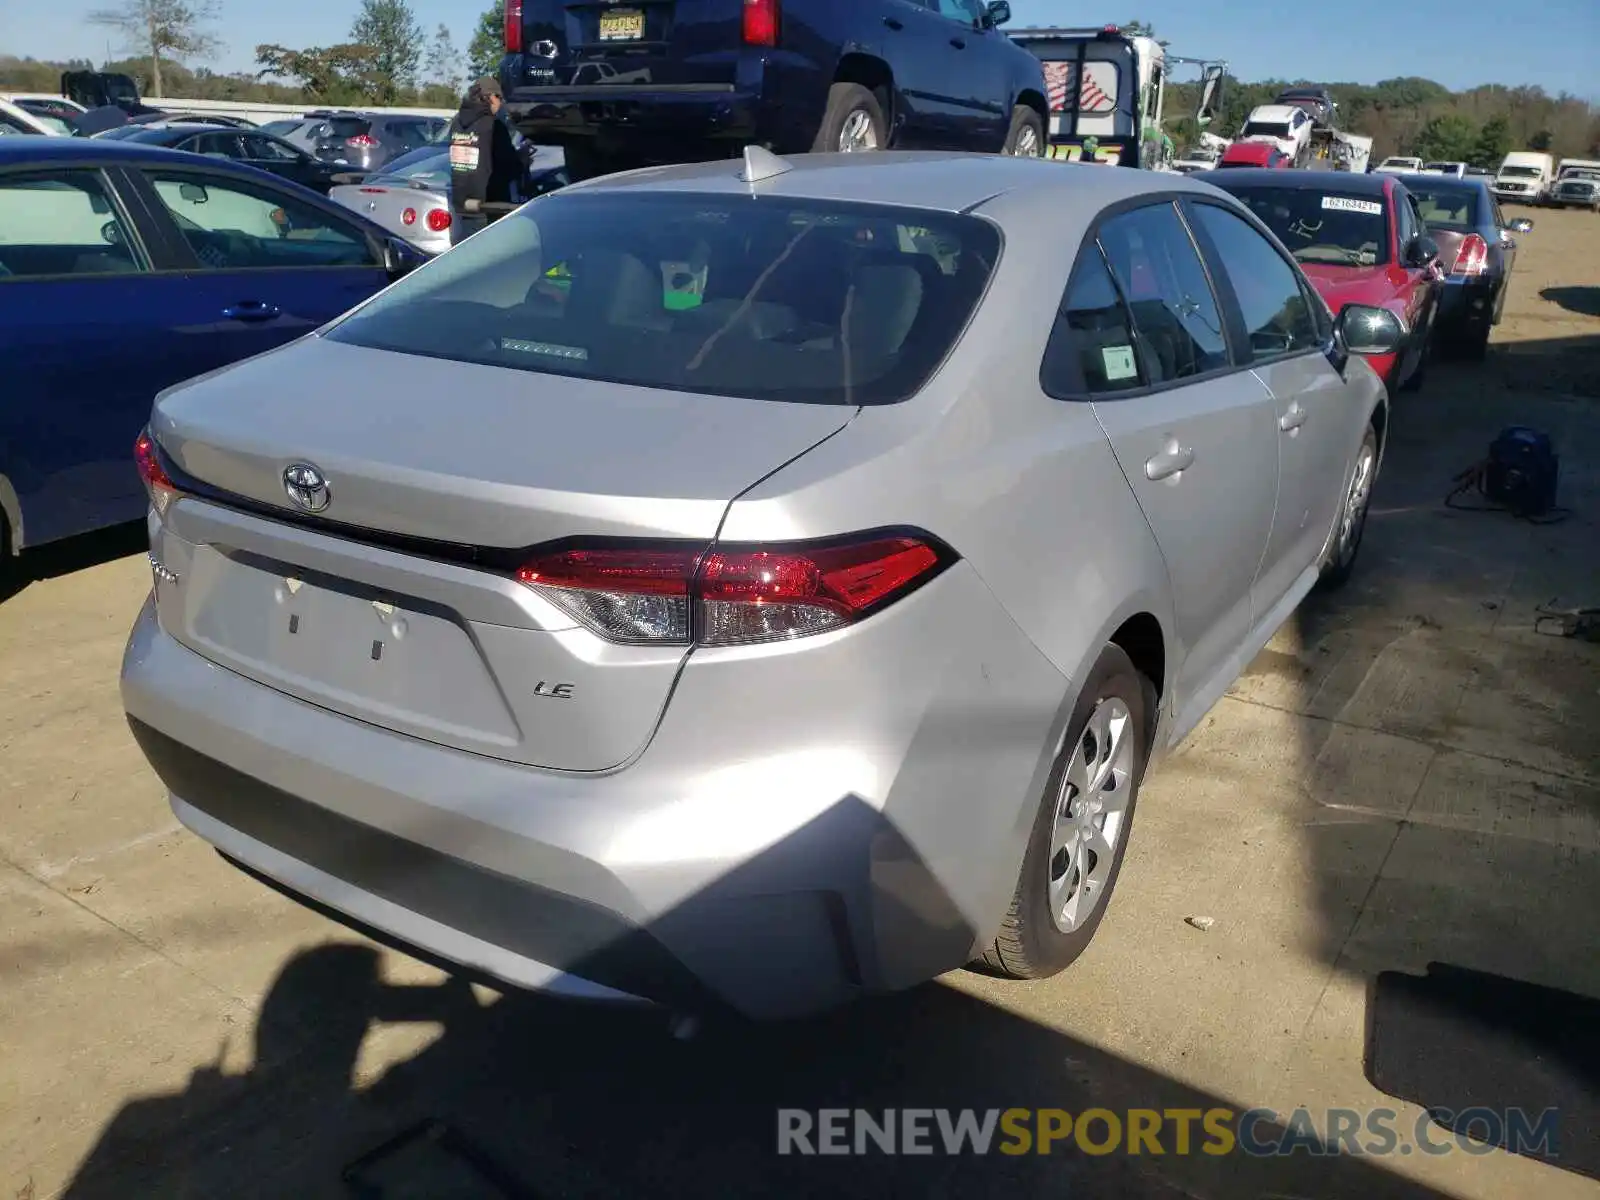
1092,97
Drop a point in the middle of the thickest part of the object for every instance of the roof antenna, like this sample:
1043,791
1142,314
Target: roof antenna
761,164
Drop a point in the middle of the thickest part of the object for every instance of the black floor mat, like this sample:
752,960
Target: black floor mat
1460,1042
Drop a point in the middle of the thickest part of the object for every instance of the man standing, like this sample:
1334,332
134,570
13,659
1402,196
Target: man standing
484,164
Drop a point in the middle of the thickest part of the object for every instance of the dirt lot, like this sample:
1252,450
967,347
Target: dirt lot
1407,776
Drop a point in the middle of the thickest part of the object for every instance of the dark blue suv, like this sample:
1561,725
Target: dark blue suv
625,83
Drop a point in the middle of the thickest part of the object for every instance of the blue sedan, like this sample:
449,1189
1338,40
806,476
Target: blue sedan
125,269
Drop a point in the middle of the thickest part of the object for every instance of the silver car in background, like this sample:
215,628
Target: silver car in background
411,196
748,586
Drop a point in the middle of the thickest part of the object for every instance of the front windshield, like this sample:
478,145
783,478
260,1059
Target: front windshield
1455,209
1581,173
806,301
1271,129
1323,227
1520,172
1402,162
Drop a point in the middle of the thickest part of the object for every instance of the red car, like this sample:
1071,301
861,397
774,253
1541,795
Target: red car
1255,154
1360,240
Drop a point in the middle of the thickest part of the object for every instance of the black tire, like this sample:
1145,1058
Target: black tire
1024,121
845,100
1420,375
1474,344
1346,548
1030,945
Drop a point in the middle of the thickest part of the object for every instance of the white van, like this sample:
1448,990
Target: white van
1524,176
1577,184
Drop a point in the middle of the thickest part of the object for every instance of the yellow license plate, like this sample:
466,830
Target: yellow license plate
622,25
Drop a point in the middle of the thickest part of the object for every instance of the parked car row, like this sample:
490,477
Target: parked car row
1433,249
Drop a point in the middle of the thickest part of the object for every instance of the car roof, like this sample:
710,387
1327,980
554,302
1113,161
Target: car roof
1347,182
1306,91
935,181
101,151
1273,112
1461,183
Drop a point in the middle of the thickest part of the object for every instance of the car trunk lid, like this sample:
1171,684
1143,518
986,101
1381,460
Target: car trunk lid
631,43
339,141
400,608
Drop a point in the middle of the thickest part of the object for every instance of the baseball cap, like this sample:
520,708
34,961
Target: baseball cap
487,86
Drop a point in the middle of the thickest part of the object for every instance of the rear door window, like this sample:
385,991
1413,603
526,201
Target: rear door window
1091,349
1160,274
813,302
63,223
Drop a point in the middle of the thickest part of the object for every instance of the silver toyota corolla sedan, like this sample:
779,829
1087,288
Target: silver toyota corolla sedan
746,586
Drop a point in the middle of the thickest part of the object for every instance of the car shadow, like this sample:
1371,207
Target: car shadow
70,555
1584,301
523,1096
1449,725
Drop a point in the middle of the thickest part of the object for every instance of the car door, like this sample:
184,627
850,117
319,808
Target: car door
917,44
979,87
261,264
1195,436
1285,331
1420,283
81,349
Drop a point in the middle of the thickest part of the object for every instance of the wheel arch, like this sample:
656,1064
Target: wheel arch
12,536
873,73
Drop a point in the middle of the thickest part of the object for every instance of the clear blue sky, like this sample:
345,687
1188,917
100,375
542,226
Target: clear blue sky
1460,43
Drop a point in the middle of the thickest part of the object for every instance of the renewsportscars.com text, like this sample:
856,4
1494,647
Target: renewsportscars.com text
1258,1132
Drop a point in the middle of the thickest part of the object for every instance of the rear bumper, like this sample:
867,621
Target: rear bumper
653,124
1466,305
774,858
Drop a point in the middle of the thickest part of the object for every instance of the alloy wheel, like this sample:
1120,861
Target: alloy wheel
1091,814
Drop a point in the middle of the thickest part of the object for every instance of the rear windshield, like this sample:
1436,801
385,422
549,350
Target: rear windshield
347,127
816,302
1453,209
429,166
1271,129
1323,226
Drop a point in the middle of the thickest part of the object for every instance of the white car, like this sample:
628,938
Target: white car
1285,126
1398,165
14,121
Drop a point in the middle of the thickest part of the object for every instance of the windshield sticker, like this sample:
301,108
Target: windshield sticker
1346,204
1119,362
574,353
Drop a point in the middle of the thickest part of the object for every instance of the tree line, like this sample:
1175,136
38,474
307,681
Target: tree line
388,58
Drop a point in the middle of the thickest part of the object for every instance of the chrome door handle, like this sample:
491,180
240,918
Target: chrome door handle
1293,419
1174,460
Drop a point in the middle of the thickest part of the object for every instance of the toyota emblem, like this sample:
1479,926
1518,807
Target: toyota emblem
307,487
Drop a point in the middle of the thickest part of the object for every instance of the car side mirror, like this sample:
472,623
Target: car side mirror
1366,330
1422,251
997,14
1521,225
400,257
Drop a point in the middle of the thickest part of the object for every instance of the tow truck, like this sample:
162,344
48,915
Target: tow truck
1107,94
1332,149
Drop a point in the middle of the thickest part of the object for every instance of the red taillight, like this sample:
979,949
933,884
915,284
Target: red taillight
439,220
361,139
1473,257
157,482
513,26
760,22
730,596
409,217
